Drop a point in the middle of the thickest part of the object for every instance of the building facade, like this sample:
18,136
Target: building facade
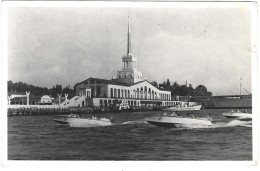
100,92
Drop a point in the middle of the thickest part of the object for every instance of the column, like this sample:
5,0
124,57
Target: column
66,98
27,97
9,100
95,91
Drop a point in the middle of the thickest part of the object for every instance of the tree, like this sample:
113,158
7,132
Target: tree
154,83
201,90
190,90
175,89
168,84
10,86
183,90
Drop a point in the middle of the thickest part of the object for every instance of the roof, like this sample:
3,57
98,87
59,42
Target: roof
118,83
105,81
46,97
140,82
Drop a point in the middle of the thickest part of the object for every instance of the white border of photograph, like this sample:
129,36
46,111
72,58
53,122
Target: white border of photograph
129,165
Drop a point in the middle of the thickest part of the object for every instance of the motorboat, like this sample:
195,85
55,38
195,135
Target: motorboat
183,108
242,116
76,120
174,120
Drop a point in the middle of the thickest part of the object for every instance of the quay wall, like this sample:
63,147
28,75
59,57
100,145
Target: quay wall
76,110
35,106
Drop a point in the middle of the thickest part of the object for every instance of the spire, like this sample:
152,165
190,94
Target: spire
128,37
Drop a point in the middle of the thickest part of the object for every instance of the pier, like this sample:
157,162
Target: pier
32,111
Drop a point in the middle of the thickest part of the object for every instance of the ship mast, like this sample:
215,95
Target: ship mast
240,84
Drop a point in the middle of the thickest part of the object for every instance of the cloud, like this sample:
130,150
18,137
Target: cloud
50,46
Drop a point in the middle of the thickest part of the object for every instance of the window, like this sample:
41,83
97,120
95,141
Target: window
111,92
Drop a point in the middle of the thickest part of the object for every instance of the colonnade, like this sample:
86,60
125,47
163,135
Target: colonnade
139,93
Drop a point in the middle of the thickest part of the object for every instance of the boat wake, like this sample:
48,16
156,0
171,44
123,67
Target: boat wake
219,124
85,125
232,123
82,125
133,122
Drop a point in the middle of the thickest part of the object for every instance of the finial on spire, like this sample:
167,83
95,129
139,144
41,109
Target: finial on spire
128,23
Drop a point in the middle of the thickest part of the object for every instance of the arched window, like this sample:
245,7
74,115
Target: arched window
118,95
115,94
111,92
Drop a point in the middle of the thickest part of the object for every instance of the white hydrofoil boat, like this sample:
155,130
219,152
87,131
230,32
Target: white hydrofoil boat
76,120
242,116
174,120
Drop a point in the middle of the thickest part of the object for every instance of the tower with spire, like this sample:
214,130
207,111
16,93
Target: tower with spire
129,72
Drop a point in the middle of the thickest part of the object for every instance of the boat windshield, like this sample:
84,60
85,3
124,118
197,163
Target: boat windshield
174,114
73,116
170,114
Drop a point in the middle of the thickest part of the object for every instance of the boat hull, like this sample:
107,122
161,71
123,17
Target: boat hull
60,121
187,108
173,122
165,125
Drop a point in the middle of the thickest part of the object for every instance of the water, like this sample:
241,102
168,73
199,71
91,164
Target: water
131,138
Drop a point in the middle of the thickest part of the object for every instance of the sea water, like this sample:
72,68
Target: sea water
129,138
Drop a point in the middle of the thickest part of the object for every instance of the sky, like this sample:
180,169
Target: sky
203,46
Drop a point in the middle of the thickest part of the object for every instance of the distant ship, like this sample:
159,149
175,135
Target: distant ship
224,102
241,101
184,108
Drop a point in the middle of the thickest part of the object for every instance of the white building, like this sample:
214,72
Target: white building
46,99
